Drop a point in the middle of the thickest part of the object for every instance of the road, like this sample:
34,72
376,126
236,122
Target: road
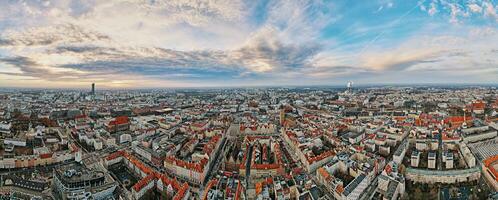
440,152
215,164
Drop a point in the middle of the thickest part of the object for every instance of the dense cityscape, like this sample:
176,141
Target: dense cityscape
248,100
378,142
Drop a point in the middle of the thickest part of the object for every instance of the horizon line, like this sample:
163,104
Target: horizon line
356,85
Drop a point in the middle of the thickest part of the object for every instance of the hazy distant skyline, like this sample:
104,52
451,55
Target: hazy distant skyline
174,43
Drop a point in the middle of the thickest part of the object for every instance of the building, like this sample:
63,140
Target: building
400,152
195,169
446,176
391,187
478,133
37,185
431,160
224,187
484,149
391,183
415,159
354,137
266,159
78,182
5,128
118,125
490,171
448,160
93,89
467,155
478,107
150,179
303,149
354,189
15,142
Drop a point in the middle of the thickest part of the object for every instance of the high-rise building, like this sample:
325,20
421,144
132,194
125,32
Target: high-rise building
350,87
93,88
431,160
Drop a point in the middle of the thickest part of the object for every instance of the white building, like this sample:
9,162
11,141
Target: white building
354,189
448,160
431,160
415,159
125,138
399,154
97,144
5,128
15,142
446,176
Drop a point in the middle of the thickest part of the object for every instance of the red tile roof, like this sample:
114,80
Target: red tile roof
80,117
478,105
488,163
457,119
320,157
119,120
143,182
195,166
181,190
210,184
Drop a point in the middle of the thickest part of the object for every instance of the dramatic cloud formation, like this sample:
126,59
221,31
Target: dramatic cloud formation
177,43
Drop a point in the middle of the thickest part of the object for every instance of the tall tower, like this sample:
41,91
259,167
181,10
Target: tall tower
93,88
282,116
350,87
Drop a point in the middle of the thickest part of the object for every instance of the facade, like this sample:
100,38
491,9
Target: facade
118,125
415,159
399,154
354,189
490,171
448,160
15,142
448,176
40,159
93,89
311,162
149,178
77,182
5,128
431,160
195,171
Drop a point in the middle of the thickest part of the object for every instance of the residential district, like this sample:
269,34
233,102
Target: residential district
399,142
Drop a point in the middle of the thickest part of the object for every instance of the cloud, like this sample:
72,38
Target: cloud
199,42
475,8
263,53
30,68
455,11
379,9
398,59
444,53
336,72
51,35
387,5
490,11
95,41
432,10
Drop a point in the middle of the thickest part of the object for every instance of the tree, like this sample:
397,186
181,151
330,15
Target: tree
402,169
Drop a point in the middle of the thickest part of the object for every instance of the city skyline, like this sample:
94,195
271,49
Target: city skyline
155,44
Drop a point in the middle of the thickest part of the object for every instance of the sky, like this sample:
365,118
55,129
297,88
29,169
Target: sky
212,43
